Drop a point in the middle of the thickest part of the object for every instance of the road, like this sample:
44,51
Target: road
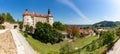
115,49
22,45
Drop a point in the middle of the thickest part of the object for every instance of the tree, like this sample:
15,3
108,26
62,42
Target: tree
27,28
3,15
69,30
20,25
31,29
9,18
1,19
47,34
118,30
75,31
107,36
1,27
59,26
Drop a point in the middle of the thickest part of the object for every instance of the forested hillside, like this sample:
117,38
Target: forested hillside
106,24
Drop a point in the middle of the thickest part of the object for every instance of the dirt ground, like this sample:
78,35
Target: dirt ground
7,45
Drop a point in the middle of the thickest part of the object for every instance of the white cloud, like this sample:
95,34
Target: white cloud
76,9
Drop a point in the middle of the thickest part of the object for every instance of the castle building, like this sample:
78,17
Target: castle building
31,19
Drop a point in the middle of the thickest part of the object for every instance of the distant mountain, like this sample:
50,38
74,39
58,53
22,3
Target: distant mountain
106,24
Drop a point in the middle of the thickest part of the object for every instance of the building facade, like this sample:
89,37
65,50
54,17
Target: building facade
31,19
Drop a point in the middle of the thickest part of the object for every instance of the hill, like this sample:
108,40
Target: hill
106,24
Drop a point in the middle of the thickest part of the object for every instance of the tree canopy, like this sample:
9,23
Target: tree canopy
74,31
47,34
9,18
58,25
1,19
107,36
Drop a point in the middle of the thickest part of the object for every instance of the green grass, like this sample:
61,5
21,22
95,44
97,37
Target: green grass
104,48
54,49
84,41
101,50
44,48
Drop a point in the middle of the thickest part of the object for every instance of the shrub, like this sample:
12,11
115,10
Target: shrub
25,34
67,49
1,27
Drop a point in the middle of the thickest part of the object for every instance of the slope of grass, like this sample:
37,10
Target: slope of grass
54,49
100,50
84,41
105,48
44,48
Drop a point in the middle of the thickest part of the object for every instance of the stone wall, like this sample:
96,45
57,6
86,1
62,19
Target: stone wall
8,25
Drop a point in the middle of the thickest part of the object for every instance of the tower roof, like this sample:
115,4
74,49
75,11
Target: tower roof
49,14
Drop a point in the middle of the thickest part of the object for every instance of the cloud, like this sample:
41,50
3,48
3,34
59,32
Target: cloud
75,8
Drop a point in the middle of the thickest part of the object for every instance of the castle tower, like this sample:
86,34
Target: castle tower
50,17
27,20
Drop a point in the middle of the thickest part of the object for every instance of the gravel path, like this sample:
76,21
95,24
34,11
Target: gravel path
22,45
115,49
7,45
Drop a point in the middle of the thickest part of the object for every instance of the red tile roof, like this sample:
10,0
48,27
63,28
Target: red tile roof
36,15
85,31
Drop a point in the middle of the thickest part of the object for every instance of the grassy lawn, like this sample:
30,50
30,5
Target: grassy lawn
54,49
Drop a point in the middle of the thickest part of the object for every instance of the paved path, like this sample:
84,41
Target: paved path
22,45
115,49
2,31
7,45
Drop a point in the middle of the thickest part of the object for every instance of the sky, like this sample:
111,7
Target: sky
66,11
